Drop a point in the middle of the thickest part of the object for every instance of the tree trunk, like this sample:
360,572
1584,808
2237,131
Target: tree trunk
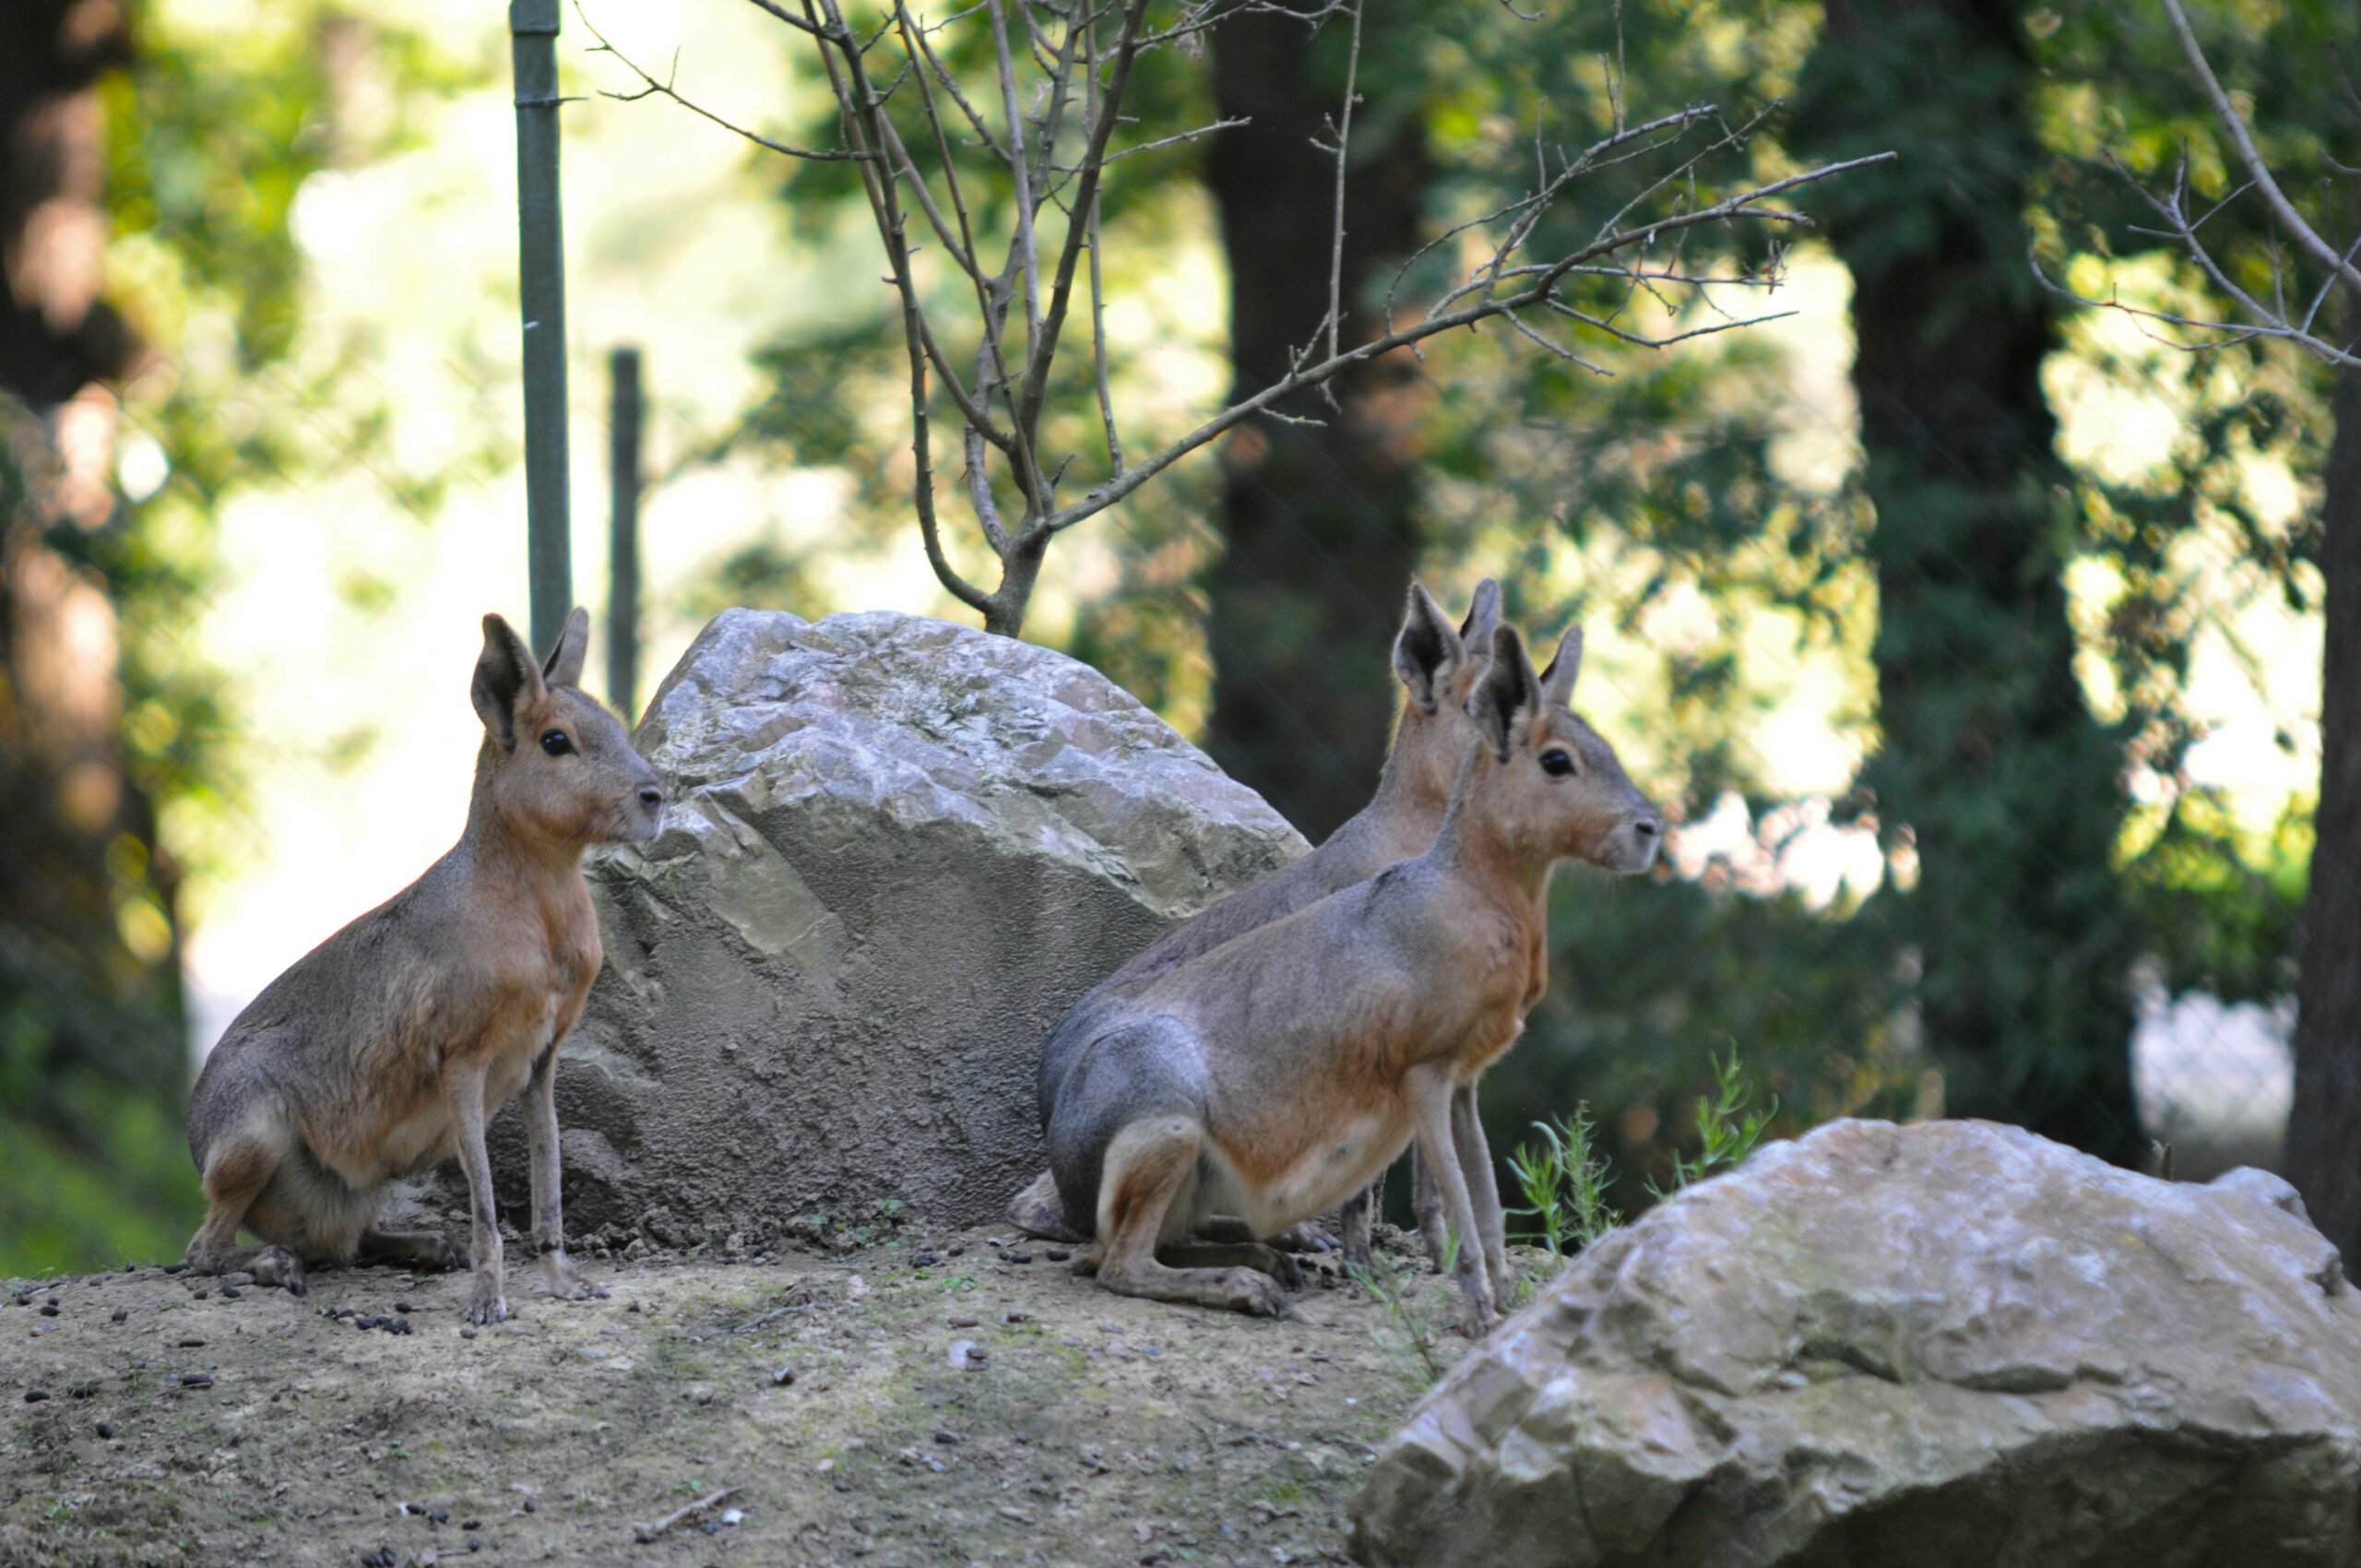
2324,1129
1321,537
1991,761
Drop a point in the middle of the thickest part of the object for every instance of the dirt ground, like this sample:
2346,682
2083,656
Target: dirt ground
159,1418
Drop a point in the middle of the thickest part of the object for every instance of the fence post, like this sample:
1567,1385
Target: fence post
623,532
541,269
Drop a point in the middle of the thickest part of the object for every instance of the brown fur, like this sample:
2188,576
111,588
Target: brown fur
1438,666
1290,1069
387,1048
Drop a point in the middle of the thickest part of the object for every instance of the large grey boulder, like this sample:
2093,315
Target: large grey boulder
1935,1346
897,850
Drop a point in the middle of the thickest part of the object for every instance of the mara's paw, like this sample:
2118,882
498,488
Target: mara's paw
1477,1317
565,1282
485,1303
1305,1237
1037,1211
1279,1266
1256,1294
277,1265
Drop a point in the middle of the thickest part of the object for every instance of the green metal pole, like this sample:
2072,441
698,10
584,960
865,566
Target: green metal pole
541,269
622,533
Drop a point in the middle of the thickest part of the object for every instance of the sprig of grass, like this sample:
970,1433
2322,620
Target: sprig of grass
1564,1183
1726,1131
1409,1332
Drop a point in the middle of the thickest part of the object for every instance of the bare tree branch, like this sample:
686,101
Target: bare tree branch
1536,293
1021,167
2259,171
2272,319
1101,383
1343,150
650,88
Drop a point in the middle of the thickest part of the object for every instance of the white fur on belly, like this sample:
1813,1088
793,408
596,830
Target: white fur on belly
1327,1173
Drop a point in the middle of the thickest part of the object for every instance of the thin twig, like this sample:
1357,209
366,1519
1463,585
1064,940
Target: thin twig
860,110
2243,139
1744,205
1344,149
646,1533
651,87
1102,382
1029,261
1037,368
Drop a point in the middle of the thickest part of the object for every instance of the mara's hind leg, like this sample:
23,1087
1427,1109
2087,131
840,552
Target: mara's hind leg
1356,1219
1234,1254
1426,1205
1224,1230
235,1175
1148,1166
429,1250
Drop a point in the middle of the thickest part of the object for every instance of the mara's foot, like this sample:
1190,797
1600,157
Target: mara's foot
1478,1314
564,1281
1247,1291
1037,1211
485,1302
1240,1255
270,1265
428,1249
277,1265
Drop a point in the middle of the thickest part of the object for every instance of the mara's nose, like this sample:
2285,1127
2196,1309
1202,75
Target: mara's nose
651,796
1647,828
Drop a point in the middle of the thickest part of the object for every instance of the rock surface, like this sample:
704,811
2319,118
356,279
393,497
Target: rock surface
897,850
1944,1344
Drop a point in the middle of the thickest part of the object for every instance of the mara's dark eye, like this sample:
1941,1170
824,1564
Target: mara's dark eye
557,742
1557,762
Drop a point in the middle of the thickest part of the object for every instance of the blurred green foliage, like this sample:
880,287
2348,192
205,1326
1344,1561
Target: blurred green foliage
1693,503
1718,521
211,133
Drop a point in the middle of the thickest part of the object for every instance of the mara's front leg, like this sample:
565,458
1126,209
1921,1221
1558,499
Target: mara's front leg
1483,1186
463,1089
548,1217
1428,1090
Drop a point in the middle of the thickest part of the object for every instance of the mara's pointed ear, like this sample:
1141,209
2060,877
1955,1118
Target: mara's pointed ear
1558,680
1507,696
507,681
1483,615
564,667
1426,645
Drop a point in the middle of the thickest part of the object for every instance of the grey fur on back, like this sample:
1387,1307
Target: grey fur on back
334,1021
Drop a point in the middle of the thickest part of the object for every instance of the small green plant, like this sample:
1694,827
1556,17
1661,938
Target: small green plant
1410,1331
1564,1183
891,1210
1727,1130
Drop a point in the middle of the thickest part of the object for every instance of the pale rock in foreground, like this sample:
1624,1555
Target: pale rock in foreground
898,850
1939,1345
